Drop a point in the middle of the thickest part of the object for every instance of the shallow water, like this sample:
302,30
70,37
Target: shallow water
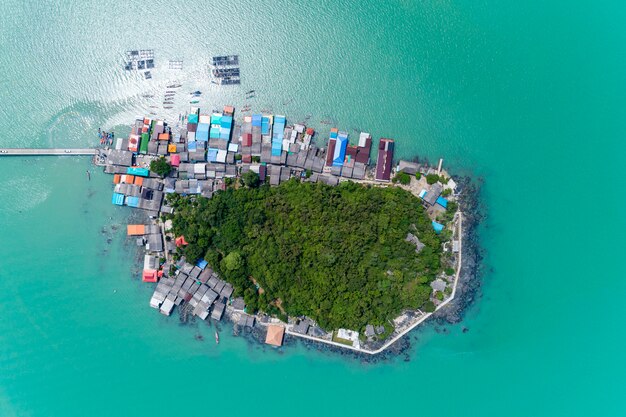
528,96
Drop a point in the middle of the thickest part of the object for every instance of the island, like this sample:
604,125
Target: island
252,220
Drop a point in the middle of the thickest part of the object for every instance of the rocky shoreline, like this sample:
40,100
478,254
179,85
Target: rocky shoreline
467,291
469,282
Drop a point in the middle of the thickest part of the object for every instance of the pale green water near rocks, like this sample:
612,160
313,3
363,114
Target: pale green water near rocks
530,96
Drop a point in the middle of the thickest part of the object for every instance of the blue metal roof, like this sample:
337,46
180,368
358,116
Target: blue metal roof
211,155
438,227
142,172
340,150
118,199
202,136
132,201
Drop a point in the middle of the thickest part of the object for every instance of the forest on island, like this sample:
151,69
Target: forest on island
335,254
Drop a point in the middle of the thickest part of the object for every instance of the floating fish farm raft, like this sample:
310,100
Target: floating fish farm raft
141,59
225,70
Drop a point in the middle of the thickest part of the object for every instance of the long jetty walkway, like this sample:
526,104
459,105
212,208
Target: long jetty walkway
46,151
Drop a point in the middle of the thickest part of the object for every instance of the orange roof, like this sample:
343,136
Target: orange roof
116,179
229,109
275,335
171,148
149,275
180,241
135,229
138,180
127,179
164,136
334,129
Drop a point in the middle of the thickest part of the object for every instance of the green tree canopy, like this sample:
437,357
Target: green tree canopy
251,179
403,178
160,167
336,254
432,178
233,261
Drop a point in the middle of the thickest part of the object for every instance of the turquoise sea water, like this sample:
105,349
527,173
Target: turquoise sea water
530,96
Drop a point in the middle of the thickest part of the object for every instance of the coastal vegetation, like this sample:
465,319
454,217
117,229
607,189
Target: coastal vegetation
432,178
402,177
336,254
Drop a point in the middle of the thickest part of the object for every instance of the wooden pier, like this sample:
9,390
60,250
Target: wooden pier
46,151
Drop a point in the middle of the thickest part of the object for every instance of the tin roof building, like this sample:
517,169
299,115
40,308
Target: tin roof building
385,159
275,335
340,149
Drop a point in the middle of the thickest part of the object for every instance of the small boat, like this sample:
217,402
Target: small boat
217,338
154,107
168,102
213,82
174,86
147,95
196,93
168,107
194,102
250,92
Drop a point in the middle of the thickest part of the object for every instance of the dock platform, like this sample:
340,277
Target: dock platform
46,151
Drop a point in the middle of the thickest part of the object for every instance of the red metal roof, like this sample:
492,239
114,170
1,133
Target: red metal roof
385,159
149,275
330,152
247,139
